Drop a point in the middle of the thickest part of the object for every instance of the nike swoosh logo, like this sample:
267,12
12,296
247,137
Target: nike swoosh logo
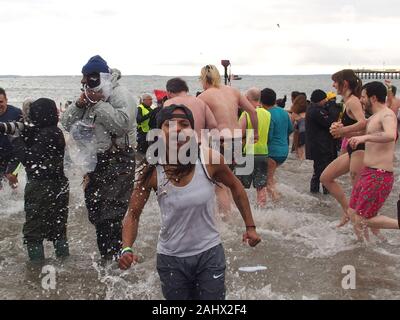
218,276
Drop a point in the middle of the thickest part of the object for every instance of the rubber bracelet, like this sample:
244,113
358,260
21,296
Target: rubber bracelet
126,249
17,170
250,227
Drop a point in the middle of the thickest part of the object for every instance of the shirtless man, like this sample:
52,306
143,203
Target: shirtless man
178,94
392,102
376,179
224,102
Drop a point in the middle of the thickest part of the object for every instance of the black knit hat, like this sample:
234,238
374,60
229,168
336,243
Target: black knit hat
317,96
166,113
43,113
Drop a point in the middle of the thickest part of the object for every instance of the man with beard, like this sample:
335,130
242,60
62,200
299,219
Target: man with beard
376,179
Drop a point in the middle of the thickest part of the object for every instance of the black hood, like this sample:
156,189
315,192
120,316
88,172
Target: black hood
43,113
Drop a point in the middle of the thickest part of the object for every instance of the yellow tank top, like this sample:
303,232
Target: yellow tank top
264,120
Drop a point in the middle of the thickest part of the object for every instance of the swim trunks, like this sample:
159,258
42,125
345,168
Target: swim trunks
345,142
259,175
278,160
370,192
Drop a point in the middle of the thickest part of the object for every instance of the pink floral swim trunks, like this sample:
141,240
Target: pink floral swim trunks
370,191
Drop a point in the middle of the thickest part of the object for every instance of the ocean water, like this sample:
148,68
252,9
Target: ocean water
303,252
62,88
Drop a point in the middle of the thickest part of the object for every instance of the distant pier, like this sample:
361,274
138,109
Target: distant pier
378,74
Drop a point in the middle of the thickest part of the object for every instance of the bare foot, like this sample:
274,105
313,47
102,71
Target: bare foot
275,196
345,219
379,235
381,238
261,205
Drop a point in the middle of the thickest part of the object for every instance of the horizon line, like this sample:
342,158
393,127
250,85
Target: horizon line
160,75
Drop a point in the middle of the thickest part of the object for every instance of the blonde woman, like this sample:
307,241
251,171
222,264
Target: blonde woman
224,102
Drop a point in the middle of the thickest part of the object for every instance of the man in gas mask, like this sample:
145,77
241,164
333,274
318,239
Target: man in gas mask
105,117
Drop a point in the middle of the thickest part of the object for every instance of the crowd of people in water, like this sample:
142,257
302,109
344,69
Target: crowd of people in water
136,148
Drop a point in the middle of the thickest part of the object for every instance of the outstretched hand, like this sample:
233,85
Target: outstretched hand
251,237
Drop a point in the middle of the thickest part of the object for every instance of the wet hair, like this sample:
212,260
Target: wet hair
210,75
3,92
268,97
355,83
294,94
299,104
394,90
377,89
176,85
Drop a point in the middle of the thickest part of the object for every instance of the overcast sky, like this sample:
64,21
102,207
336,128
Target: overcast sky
178,37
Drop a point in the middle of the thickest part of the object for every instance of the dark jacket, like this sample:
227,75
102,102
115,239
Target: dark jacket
319,141
334,109
42,150
7,156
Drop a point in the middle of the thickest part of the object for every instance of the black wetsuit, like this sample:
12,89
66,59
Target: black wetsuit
347,121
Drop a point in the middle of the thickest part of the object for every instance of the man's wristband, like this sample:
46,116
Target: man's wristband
247,227
125,250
